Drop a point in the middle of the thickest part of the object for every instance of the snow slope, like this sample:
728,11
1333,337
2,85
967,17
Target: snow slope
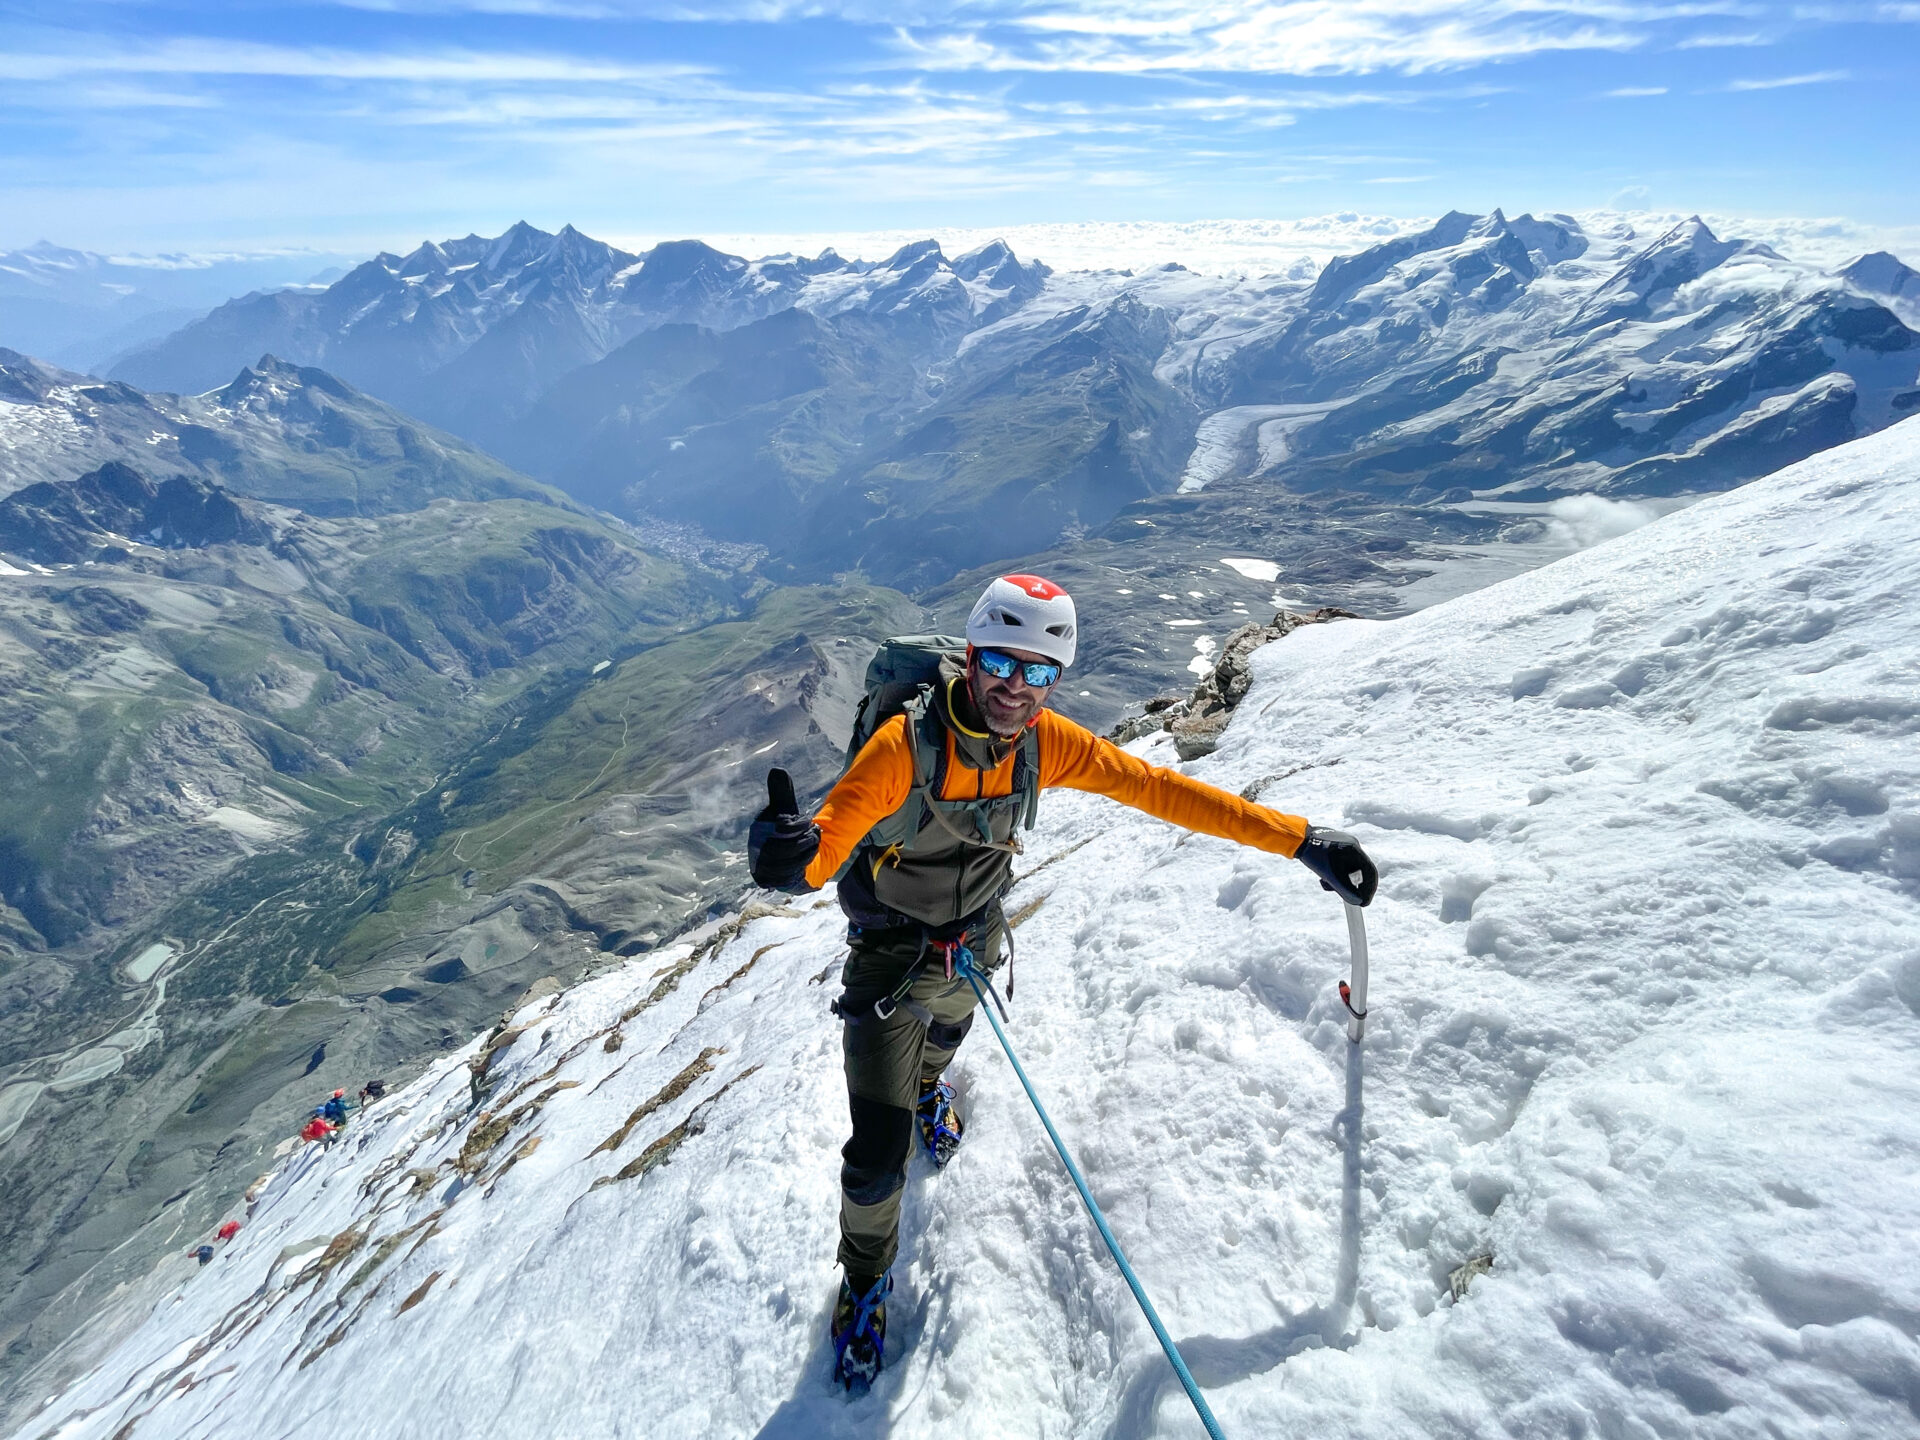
1646,1017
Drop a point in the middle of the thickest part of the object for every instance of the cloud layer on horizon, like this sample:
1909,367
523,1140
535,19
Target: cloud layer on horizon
242,125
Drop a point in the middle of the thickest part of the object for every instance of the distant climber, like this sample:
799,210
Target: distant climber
334,1112
927,813
202,1253
228,1230
317,1128
372,1090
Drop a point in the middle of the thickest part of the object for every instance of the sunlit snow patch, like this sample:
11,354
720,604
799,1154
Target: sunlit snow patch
246,824
1264,571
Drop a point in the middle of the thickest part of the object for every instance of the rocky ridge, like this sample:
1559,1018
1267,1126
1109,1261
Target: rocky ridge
287,433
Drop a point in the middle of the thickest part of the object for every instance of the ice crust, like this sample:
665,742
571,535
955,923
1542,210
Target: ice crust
1645,1023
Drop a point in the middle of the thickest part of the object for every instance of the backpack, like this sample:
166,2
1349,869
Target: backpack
901,679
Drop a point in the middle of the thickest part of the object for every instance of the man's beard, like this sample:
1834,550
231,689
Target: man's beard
985,715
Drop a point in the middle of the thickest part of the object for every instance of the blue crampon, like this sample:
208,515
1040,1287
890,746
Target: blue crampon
940,1125
860,1333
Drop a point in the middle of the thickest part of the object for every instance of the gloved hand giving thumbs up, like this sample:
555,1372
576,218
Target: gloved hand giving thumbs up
782,841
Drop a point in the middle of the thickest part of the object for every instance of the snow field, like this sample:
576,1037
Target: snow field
1645,1023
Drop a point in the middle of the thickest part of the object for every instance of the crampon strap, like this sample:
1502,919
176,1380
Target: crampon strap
863,1309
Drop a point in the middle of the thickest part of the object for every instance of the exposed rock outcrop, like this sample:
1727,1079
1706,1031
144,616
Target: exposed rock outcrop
1197,721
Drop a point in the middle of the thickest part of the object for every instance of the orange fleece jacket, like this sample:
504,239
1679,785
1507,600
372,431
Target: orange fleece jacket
881,777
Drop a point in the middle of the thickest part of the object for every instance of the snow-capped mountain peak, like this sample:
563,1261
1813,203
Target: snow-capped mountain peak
519,245
1680,256
1883,274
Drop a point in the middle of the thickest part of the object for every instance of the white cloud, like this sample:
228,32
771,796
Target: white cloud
1818,77
1283,37
243,58
1581,521
1628,92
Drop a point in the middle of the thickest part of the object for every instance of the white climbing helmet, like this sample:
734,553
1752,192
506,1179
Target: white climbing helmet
1024,612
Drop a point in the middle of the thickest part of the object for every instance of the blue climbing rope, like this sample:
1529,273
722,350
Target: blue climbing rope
982,988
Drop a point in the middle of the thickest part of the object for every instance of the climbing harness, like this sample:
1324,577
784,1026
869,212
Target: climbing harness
899,997
962,960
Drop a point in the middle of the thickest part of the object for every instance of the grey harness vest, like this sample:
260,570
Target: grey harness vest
969,822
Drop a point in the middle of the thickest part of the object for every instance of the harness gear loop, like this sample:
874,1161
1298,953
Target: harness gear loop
947,949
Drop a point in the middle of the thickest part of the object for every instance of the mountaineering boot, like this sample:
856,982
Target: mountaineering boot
860,1330
940,1126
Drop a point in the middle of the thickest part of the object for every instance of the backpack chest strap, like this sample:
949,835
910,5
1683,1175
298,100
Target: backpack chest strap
927,751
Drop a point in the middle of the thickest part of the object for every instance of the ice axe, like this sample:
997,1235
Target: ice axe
1344,869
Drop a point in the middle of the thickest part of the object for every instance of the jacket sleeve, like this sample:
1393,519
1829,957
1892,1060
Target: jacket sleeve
1074,757
875,785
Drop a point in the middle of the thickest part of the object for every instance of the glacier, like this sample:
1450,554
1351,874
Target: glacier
1645,1022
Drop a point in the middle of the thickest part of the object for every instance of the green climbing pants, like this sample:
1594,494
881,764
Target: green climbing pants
891,1061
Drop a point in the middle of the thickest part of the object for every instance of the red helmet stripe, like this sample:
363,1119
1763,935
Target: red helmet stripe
1034,585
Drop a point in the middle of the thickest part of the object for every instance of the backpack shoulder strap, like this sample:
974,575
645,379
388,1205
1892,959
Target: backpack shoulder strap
1026,776
858,739
901,826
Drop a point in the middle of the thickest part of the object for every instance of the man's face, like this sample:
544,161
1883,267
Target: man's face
1006,705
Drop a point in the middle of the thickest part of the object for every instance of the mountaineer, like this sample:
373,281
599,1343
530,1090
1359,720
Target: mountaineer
926,813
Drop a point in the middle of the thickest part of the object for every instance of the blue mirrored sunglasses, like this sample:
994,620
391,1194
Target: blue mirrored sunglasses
1037,673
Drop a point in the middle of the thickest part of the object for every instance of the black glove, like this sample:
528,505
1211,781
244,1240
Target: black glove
782,842
1343,867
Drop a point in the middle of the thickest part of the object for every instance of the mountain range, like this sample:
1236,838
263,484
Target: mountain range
371,652
919,413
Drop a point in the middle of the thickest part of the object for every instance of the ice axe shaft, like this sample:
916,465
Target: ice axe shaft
1353,994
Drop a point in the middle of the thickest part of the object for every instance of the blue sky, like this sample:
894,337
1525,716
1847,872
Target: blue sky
138,125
